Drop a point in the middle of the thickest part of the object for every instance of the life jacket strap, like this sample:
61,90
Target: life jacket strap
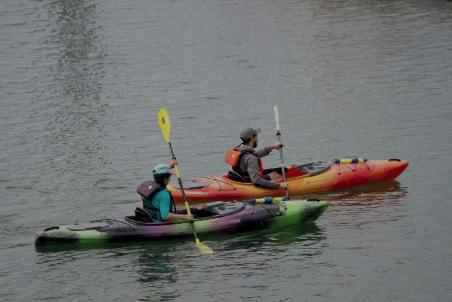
234,156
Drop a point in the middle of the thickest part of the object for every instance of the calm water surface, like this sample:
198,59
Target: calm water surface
81,82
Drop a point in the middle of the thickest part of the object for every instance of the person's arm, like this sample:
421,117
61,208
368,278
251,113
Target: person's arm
252,164
265,151
175,217
164,199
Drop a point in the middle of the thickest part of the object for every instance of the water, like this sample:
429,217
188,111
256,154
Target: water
80,85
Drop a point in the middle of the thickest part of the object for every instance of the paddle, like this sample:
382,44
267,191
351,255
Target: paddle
281,156
165,127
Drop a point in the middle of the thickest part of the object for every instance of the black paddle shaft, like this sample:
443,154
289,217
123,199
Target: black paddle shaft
183,192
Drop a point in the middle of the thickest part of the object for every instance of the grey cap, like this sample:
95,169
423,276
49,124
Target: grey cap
248,133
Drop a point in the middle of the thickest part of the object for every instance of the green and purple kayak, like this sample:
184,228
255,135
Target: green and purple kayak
218,217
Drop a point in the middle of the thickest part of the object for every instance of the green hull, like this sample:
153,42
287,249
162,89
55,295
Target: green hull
289,213
298,211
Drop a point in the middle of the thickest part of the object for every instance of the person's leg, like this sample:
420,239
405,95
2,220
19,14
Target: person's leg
273,170
274,174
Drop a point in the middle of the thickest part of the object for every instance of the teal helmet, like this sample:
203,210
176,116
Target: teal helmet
160,170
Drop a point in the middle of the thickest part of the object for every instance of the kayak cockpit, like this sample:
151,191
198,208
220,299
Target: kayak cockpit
314,168
208,211
311,169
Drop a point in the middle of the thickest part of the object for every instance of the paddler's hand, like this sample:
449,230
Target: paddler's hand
291,166
172,163
189,217
283,185
277,146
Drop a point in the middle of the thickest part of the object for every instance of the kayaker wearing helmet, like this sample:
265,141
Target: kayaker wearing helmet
157,200
247,162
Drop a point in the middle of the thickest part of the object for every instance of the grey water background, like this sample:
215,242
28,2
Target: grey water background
80,85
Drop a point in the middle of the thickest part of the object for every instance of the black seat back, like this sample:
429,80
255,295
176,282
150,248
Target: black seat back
142,214
236,176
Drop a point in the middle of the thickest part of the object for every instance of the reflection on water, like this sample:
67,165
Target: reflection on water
367,204
235,255
154,265
162,246
156,268
373,195
267,240
72,102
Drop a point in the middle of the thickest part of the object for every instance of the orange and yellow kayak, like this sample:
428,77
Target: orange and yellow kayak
310,178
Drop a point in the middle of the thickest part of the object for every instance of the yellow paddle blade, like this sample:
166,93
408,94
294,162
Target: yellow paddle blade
165,124
204,249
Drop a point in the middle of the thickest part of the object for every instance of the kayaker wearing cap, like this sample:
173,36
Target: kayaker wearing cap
246,161
157,200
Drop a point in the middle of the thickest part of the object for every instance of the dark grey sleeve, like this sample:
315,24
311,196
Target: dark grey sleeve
264,152
252,164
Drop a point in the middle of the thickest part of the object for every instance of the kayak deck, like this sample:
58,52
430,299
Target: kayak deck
338,176
252,217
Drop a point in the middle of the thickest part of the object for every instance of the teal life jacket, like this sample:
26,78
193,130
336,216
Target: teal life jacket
147,190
